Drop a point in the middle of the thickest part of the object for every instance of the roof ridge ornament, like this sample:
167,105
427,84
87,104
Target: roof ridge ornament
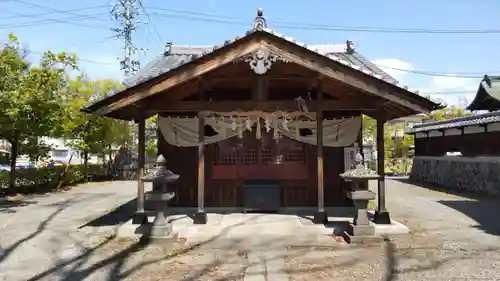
487,79
168,49
259,23
350,48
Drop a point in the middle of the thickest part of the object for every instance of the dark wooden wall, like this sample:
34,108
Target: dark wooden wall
229,193
478,144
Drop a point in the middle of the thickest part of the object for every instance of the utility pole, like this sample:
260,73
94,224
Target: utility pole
126,12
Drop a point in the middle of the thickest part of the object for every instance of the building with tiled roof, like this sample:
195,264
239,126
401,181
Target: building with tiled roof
462,153
255,122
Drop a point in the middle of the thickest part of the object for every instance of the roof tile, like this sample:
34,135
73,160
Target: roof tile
179,55
480,119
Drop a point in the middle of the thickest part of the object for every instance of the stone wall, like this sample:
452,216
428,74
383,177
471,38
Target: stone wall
471,174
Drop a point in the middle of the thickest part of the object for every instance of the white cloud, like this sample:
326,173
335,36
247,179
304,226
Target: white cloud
450,88
392,66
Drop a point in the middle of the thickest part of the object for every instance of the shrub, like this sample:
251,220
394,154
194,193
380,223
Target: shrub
46,178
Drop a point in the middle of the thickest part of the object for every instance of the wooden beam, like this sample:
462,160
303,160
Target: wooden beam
260,91
319,147
140,216
280,48
327,105
381,214
201,164
299,78
182,77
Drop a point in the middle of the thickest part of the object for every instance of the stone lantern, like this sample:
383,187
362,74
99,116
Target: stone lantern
160,176
359,176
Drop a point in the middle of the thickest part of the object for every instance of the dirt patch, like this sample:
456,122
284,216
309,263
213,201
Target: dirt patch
351,263
170,261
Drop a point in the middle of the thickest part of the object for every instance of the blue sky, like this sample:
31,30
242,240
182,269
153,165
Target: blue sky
462,54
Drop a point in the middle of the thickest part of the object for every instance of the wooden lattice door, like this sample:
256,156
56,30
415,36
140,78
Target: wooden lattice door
266,158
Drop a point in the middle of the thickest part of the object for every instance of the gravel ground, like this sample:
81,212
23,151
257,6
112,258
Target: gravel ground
452,238
45,237
41,238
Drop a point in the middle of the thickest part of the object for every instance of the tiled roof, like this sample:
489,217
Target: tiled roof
488,94
180,55
480,119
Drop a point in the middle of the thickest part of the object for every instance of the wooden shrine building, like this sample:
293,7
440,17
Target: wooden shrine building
260,121
462,153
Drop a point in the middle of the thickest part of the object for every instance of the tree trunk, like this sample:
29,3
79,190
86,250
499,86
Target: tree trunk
13,160
110,154
61,176
85,165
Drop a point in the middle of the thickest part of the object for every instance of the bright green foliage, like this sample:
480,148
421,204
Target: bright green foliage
397,149
151,136
31,98
90,133
448,113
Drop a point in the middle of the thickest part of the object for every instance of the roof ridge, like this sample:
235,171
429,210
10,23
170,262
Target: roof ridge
457,119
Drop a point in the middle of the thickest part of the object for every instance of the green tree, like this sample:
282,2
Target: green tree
151,136
89,133
448,113
31,99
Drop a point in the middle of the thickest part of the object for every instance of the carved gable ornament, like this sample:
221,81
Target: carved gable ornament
261,60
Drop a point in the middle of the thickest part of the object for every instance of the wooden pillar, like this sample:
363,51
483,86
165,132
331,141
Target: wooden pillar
320,217
200,216
381,214
140,215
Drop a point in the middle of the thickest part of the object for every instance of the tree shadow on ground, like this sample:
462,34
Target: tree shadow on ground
80,267
484,212
6,252
439,188
9,206
117,216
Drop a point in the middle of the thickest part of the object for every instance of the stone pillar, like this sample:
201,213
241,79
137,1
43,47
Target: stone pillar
381,214
140,216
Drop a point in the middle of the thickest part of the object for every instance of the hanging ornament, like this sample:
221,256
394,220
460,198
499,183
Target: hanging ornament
233,124
285,125
223,129
240,131
258,133
267,124
248,125
275,128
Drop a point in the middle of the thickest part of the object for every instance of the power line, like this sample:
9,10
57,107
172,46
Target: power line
79,59
51,9
51,13
221,19
465,75
224,19
151,22
66,20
